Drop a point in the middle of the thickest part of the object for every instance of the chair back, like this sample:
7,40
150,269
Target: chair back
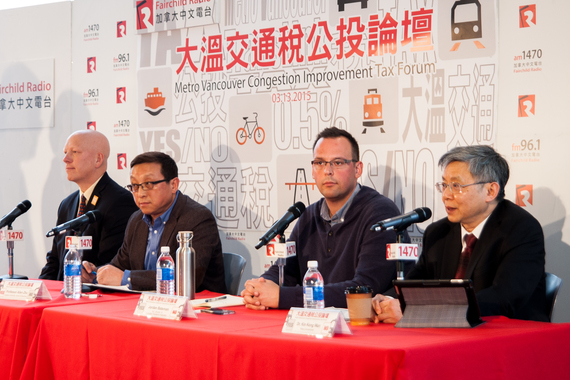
553,284
234,265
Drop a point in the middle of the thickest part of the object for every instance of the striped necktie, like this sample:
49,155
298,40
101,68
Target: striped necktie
470,241
82,206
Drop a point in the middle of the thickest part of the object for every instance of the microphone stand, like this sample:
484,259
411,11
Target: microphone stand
400,264
11,275
281,261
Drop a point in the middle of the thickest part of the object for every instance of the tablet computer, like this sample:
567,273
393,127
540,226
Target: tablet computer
438,303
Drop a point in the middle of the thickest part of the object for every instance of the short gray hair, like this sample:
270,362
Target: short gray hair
485,164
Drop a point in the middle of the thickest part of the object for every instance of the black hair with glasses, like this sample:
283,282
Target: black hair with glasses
334,132
485,164
168,167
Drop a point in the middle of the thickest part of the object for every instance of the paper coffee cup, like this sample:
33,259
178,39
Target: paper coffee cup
359,301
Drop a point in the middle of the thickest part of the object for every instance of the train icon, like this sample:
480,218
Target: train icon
466,20
373,110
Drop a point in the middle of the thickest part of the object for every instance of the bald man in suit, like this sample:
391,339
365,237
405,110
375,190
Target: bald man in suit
86,154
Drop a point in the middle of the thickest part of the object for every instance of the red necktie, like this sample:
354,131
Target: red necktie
82,206
470,241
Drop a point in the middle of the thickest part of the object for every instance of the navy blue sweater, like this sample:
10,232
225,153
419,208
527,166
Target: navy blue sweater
349,254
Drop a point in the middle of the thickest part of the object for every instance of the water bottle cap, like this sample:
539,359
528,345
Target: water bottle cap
313,264
165,249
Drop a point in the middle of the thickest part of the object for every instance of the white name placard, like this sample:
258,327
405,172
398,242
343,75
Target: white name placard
282,250
23,290
81,242
11,235
153,305
316,322
397,251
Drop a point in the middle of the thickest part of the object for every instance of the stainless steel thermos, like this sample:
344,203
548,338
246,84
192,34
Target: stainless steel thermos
185,265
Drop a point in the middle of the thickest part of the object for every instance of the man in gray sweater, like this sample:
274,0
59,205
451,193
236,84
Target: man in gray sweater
335,231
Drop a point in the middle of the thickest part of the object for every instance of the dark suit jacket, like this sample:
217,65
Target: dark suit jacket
116,205
187,215
506,266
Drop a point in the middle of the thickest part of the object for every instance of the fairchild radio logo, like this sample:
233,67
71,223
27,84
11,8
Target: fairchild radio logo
527,16
121,95
524,195
526,106
145,14
91,65
121,161
121,29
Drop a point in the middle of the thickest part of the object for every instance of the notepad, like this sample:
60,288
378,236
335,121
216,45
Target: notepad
111,288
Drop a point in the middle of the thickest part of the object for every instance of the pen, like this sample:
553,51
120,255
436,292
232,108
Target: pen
218,311
93,271
215,299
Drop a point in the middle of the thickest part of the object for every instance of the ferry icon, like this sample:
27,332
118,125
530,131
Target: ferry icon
154,102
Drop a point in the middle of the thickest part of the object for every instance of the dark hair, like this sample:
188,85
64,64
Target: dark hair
485,164
334,132
168,167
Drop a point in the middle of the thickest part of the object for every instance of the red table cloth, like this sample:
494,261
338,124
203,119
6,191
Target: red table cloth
19,321
105,341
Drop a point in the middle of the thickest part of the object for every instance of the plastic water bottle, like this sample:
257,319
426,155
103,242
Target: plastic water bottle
165,272
72,273
313,287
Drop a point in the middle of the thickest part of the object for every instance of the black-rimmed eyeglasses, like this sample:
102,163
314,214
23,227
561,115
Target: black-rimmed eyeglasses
337,163
134,187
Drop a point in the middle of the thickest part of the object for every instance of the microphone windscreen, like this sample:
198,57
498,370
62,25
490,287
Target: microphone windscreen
297,209
25,206
424,213
93,215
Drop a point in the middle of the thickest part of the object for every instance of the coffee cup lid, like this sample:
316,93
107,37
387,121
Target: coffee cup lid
358,289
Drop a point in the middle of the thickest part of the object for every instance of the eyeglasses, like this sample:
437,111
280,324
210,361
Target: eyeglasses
338,163
455,187
134,187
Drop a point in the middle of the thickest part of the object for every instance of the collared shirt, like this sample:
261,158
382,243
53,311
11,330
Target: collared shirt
338,217
155,230
476,231
87,194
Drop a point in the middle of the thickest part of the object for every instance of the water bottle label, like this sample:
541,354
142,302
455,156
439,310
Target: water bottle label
318,293
308,293
165,274
72,270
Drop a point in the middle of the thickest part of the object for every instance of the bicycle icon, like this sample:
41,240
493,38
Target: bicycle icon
244,133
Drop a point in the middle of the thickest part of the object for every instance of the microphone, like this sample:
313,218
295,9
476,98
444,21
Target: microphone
402,222
88,218
16,212
281,225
